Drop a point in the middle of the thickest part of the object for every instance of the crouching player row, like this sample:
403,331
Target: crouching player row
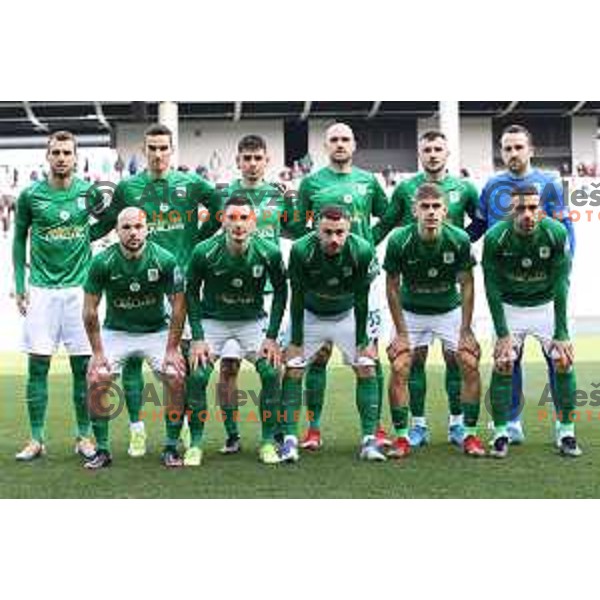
425,261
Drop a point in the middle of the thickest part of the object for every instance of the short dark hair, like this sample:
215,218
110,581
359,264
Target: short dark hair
334,212
63,136
429,191
252,142
238,199
158,129
525,190
431,135
517,129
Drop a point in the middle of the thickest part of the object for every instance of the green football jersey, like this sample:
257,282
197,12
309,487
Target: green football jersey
225,287
59,224
181,209
461,196
527,270
326,285
136,290
429,270
358,192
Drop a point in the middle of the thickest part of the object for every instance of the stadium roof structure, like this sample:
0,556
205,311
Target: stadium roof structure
28,118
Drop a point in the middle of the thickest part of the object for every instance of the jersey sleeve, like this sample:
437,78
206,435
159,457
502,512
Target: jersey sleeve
471,198
393,257
106,219
466,257
296,276
22,224
194,280
96,278
174,283
479,221
207,197
298,228
492,288
556,206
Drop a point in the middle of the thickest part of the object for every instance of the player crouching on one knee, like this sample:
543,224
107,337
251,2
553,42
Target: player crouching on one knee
424,263
136,276
330,273
226,281
526,263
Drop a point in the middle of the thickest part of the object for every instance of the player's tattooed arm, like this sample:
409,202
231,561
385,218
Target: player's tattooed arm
561,276
400,342
297,303
277,277
392,216
173,357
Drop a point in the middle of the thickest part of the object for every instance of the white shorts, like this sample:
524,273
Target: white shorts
376,315
424,329
121,345
339,330
55,316
234,339
537,321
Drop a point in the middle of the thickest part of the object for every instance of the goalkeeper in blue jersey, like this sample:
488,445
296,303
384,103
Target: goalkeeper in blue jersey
495,205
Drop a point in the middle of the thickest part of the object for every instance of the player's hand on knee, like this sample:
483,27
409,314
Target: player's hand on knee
99,369
271,351
174,365
22,303
563,353
504,353
398,346
199,354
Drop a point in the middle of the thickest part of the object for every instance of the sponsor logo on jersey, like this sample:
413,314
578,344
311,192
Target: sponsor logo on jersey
544,251
362,188
348,198
448,258
65,215
134,286
526,263
333,281
347,272
453,196
257,271
237,283
432,273
152,275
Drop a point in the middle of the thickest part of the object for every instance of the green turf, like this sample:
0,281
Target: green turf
534,470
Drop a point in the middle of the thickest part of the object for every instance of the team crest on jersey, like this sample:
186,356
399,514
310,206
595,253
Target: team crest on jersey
348,198
334,281
448,258
164,207
237,283
432,273
134,286
64,215
347,272
152,275
257,271
453,196
544,251
526,263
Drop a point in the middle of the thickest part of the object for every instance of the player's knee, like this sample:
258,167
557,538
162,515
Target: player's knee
503,367
322,357
468,362
562,365
419,357
294,373
364,371
400,366
229,369
451,357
